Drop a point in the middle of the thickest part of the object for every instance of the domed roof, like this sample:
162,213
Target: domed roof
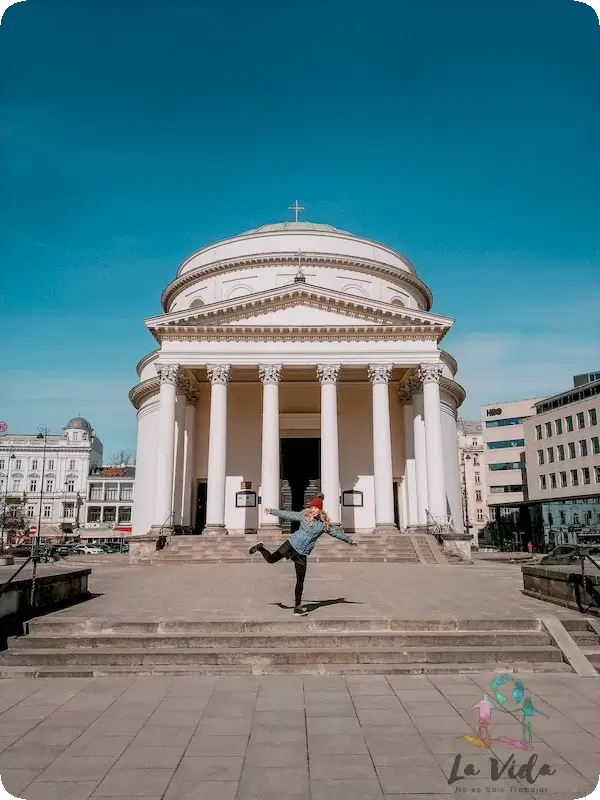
295,226
78,424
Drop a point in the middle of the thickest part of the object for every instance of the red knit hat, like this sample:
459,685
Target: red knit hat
316,502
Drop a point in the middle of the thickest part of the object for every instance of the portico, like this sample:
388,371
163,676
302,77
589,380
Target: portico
356,366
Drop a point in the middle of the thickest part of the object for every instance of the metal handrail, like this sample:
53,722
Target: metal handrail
582,557
164,539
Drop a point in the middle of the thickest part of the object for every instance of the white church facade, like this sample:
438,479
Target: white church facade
292,359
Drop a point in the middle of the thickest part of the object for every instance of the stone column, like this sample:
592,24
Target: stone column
270,375
410,476
416,388
380,374
436,485
328,375
189,448
163,500
218,375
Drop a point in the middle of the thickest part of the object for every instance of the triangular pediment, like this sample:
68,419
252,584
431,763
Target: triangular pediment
300,306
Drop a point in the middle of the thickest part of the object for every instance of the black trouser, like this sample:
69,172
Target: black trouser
287,551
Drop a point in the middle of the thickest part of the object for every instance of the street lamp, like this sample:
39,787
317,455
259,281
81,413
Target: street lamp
35,540
11,458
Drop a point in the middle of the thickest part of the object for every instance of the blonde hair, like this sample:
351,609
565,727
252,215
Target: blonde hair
313,513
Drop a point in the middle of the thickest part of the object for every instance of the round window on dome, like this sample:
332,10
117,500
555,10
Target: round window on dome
196,303
398,301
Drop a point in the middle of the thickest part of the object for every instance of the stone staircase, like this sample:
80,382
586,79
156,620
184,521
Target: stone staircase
371,547
586,634
82,647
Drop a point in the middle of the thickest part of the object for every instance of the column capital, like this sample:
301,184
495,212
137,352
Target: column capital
414,383
328,373
168,373
189,389
270,373
431,373
218,373
380,373
405,396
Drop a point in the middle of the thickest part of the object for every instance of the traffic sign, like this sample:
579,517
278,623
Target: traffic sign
3,427
33,529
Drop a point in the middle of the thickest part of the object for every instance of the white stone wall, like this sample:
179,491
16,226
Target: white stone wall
143,504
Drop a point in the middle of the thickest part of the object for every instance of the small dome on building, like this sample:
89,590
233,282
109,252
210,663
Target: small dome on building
302,227
78,424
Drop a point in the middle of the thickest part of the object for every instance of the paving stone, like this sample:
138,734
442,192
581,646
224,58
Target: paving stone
202,790
99,746
209,768
225,727
455,725
52,736
15,780
332,697
280,702
74,768
331,710
276,756
277,735
277,782
141,757
116,726
28,755
425,777
46,790
394,718
173,719
204,745
130,783
154,736
342,767
437,709
340,744
332,725
377,701
289,719
345,790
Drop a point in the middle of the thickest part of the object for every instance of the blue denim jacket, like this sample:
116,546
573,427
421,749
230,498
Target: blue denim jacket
304,539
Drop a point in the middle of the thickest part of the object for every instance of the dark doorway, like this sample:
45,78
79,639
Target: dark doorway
300,471
396,508
200,520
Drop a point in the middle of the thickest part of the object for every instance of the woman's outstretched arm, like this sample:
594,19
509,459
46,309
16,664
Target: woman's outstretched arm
338,533
277,512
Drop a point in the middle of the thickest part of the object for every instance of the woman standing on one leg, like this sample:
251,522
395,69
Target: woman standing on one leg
313,523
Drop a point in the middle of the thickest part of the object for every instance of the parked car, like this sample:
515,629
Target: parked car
488,549
569,554
87,550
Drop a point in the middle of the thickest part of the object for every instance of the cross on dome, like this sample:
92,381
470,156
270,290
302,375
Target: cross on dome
297,208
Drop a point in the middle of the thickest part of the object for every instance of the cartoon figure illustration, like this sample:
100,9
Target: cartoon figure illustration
522,705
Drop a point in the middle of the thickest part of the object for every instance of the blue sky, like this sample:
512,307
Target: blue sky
463,133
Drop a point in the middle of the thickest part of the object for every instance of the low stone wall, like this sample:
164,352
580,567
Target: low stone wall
53,588
565,586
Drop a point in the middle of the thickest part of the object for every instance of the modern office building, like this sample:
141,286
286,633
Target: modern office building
109,503
472,477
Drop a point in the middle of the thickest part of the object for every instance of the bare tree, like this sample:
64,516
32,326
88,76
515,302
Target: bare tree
124,458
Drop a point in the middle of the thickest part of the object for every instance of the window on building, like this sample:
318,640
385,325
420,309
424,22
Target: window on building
563,480
559,428
595,445
93,514
587,517
33,485
593,416
580,420
506,489
34,463
553,480
502,423
597,471
542,482
16,484
575,518
124,514
18,464
473,442
96,491
479,513
51,464
548,429
583,448
540,457
478,495
477,477
72,464
507,465
2,464
68,510
126,491
506,443
30,511
574,477
111,491
475,464
569,421
563,518
538,431
110,514
571,449
1,485
49,485
47,512
561,452
551,455
585,474
70,484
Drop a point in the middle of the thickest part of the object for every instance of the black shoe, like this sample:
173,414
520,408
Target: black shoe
301,611
255,548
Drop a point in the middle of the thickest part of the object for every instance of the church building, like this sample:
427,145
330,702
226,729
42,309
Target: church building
293,359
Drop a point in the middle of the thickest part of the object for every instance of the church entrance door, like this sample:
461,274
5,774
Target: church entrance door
200,520
300,473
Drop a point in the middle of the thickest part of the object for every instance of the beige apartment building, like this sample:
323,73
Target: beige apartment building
472,477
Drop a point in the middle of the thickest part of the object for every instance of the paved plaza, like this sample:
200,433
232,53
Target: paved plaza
318,737
260,591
